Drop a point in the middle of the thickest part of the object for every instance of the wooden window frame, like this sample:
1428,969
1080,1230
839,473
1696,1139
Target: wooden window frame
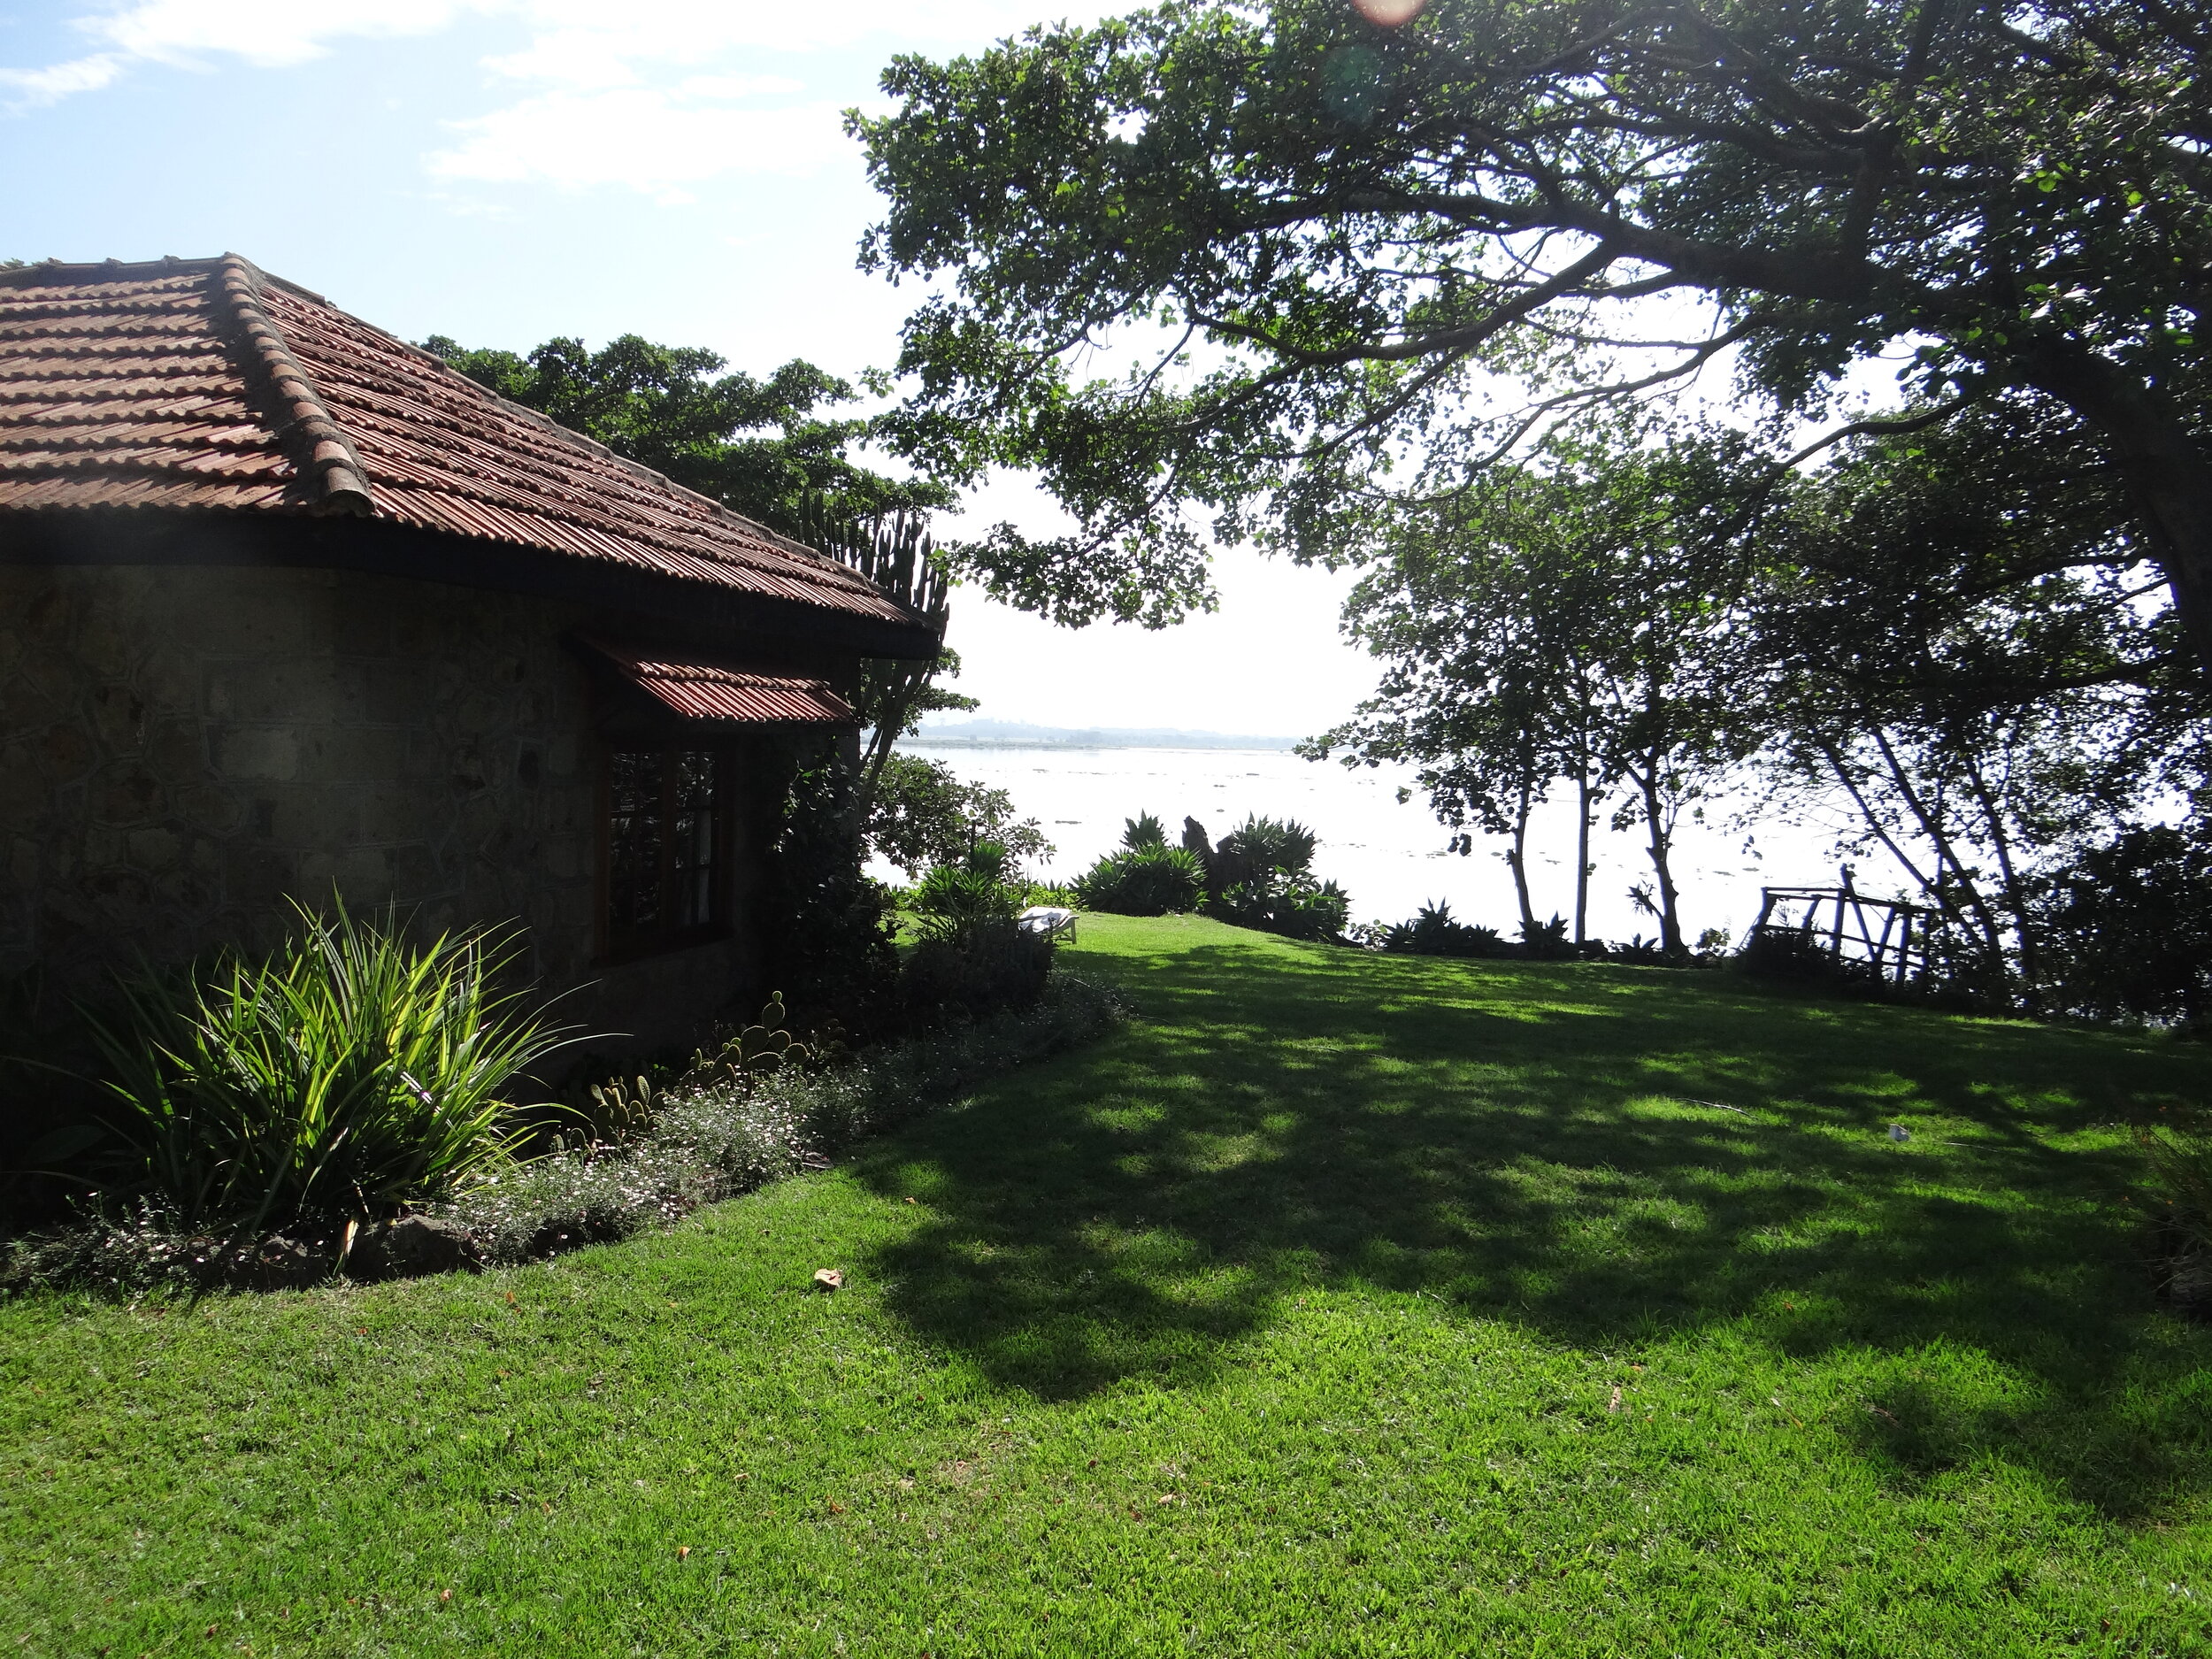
631,947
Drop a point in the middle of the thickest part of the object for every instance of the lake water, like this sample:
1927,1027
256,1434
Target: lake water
1389,857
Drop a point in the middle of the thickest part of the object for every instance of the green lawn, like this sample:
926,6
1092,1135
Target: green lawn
1341,1305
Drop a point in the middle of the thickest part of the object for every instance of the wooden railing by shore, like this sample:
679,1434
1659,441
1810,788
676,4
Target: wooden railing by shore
1842,920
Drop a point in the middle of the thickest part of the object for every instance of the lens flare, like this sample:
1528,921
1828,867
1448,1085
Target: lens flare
1390,14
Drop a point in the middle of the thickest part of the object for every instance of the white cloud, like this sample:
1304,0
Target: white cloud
574,42
739,87
695,30
640,137
36,88
269,34
649,94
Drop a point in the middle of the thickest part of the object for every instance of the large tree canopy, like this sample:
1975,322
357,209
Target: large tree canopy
763,447
1344,231
1906,645
1574,623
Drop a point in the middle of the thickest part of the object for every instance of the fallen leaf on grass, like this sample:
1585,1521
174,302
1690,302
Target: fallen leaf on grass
828,1278
445,1595
837,1508
1613,1404
682,1551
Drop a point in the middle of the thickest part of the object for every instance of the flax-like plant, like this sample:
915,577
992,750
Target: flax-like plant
2179,1150
346,1076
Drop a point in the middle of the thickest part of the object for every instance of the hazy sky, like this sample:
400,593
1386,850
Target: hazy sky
503,171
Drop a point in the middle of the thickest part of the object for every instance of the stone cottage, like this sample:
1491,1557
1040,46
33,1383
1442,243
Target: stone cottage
287,607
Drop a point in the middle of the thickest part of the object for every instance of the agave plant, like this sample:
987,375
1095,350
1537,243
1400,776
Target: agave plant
954,900
346,1076
1262,846
994,861
1143,881
1141,832
1436,931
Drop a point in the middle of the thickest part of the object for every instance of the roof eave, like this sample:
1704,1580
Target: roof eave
167,536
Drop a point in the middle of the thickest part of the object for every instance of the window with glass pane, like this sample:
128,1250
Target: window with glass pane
662,849
693,840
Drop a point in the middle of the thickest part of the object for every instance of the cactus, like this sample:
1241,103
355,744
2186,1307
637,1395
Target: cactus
758,1050
620,1112
765,1046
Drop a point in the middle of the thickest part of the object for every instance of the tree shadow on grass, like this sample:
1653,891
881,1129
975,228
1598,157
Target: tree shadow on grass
1554,1145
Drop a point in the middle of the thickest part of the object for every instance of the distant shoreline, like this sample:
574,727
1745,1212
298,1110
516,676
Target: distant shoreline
1015,735
1252,746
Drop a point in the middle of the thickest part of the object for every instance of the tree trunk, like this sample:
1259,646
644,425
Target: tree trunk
1582,849
1930,891
1518,859
1932,826
1661,849
2014,890
2166,470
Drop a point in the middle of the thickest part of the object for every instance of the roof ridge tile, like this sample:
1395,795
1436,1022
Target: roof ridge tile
331,470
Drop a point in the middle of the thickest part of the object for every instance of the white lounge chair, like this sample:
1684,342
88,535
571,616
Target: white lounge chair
1049,919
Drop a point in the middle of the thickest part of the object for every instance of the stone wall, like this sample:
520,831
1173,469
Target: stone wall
183,750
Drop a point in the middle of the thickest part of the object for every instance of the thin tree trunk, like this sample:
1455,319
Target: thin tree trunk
2014,890
1946,853
1661,847
1582,848
894,705
1518,859
1931,890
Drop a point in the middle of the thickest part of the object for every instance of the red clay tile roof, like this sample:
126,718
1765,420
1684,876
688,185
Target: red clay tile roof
204,384
703,690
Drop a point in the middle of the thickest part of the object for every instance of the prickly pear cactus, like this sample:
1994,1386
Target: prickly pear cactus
764,1046
621,1111
760,1049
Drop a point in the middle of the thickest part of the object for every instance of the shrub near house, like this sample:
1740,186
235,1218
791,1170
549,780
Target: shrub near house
973,957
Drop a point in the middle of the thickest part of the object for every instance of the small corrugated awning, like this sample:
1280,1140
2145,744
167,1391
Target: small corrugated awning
702,690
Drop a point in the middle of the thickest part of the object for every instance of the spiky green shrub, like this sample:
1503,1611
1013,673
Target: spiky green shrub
1157,880
1296,907
1142,830
346,1076
954,901
990,859
1436,931
2178,1148
1260,847
973,958
1547,941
